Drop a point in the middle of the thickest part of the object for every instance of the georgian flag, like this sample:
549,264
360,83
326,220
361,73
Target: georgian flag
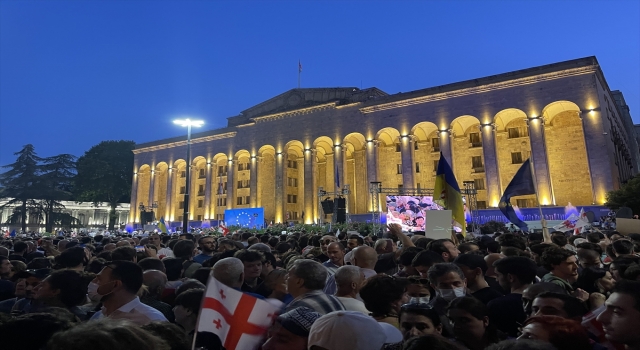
238,319
222,228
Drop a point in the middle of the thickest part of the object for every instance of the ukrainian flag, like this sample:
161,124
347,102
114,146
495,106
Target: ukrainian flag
162,226
446,192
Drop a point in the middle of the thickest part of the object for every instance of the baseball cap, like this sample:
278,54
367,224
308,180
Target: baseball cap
39,273
299,320
351,330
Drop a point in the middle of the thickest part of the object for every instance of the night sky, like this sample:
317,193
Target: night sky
74,73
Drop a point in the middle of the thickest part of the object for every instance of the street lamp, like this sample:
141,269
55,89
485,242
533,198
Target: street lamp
188,123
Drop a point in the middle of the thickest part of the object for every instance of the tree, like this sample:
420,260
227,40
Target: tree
105,175
627,196
58,175
22,184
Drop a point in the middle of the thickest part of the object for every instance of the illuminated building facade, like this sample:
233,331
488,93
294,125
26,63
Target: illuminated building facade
278,153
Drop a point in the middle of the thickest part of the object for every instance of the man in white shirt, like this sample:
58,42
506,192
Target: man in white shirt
118,283
349,280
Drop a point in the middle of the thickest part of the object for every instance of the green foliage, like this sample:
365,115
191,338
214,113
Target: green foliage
627,196
105,174
363,228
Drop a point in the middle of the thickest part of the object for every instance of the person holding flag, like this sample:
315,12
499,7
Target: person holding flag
521,184
446,193
162,226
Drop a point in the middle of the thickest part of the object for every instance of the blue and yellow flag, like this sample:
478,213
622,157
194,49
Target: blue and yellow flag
446,192
162,226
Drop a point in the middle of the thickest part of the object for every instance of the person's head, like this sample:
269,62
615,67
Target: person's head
72,258
154,239
291,330
5,267
560,332
594,279
558,304
230,272
106,334
521,344
252,261
431,342
184,249
119,278
473,266
620,247
589,258
620,265
173,268
64,288
515,272
384,295
533,290
187,306
470,320
20,248
354,241
305,275
447,280
365,257
349,280
325,241
424,260
621,317
152,264
190,284
490,259
561,262
559,239
171,333
335,252
32,279
33,330
17,266
351,330
126,253
419,319
445,248
155,281
464,248
207,244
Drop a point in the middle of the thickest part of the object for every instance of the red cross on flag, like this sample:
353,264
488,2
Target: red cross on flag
222,228
238,319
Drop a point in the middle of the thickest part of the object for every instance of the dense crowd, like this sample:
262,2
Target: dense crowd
509,290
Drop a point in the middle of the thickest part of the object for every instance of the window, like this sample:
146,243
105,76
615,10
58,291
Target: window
435,165
417,167
239,201
476,162
181,205
183,173
222,202
201,174
514,133
435,144
478,184
243,184
222,170
418,184
516,158
399,169
400,188
180,218
200,203
415,145
244,166
199,217
474,139
183,189
292,181
292,198
295,215
398,147
482,205
292,164
200,190
247,200
522,203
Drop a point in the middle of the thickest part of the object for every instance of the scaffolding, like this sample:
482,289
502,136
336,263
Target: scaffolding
322,194
471,195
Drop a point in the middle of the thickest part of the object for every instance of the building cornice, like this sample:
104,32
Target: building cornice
482,88
293,113
184,143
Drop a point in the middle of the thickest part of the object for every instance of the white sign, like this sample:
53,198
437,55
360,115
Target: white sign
438,224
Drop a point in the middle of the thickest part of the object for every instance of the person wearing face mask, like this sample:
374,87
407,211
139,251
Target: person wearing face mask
447,279
118,283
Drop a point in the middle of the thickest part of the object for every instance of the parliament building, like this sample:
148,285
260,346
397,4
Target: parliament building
276,155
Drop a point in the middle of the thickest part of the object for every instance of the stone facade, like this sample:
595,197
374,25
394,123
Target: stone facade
277,154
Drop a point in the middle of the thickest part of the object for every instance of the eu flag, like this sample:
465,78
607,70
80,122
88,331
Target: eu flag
521,184
447,193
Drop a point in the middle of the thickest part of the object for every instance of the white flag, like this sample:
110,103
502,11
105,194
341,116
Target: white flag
238,319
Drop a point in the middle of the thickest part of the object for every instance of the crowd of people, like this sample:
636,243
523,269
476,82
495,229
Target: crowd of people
509,290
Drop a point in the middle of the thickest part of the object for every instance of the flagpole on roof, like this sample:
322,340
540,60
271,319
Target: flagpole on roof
299,71
545,230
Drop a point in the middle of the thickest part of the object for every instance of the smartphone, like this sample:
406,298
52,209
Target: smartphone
140,248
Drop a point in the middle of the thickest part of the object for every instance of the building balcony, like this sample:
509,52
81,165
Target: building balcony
475,144
478,170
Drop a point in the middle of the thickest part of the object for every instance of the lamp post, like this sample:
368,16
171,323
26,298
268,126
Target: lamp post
188,123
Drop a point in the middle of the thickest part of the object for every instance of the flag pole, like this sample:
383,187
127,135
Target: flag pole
545,230
299,71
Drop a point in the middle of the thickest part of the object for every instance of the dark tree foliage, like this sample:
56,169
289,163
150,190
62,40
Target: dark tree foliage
627,196
105,175
58,173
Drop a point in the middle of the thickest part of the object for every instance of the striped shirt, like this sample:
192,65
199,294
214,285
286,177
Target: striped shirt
317,301
331,268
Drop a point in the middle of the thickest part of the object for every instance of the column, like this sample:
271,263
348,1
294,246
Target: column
168,209
280,186
408,165
207,192
152,180
445,146
540,162
310,190
372,167
491,169
230,177
133,217
253,182
338,170
598,161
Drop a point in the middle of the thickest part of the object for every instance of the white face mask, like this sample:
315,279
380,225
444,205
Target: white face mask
450,294
92,292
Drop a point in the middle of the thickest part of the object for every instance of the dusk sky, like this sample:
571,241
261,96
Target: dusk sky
74,73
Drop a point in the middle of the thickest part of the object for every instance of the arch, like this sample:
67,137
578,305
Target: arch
243,153
554,109
355,173
355,140
160,189
324,146
144,168
467,153
506,116
462,124
266,149
162,166
388,136
179,163
423,131
198,160
294,147
266,181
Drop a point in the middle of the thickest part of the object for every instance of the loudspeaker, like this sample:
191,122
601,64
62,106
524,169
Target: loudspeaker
341,216
327,206
146,217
